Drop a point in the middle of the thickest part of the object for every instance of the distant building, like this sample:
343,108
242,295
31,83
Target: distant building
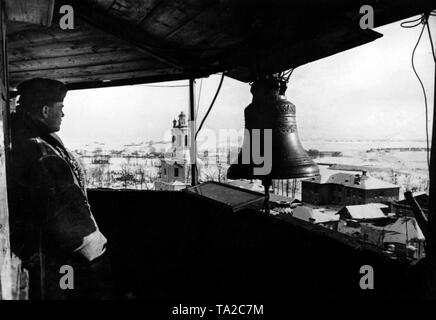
347,189
316,216
314,153
407,237
282,204
175,170
368,211
369,222
403,237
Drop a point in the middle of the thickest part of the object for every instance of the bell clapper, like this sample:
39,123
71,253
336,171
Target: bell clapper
266,182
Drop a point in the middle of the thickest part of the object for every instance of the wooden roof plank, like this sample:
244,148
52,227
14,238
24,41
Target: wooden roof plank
124,31
42,36
130,66
204,28
81,60
135,79
276,59
62,49
103,4
206,35
135,11
111,76
168,18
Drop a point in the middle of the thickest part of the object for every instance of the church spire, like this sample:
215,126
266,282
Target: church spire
182,120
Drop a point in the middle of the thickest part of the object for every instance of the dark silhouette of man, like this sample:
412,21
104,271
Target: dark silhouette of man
53,230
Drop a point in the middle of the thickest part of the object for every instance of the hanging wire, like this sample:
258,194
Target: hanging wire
423,19
431,40
211,105
288,74
413,23
198,100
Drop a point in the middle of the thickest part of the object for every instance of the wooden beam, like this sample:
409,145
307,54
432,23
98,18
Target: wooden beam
127,75
76,85
5,249
192,130
5,253
431,241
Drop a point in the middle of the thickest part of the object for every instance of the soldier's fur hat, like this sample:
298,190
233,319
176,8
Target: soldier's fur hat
40,91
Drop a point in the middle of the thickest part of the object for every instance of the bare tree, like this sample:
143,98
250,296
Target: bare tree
126,176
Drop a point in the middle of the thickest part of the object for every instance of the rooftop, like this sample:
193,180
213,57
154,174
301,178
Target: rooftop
402,230
365,211
253,185
318,215
360,181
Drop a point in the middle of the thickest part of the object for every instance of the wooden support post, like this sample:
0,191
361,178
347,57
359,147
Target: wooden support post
193,130
5,252
431,241
14,280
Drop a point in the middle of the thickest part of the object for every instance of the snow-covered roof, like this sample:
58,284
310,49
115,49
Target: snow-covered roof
254,185
353,180
365,211
306,213
403,229
178,183
380,205
278,198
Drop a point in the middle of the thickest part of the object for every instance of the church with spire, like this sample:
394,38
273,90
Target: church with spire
175,170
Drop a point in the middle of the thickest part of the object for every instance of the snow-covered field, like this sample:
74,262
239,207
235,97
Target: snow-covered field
405,168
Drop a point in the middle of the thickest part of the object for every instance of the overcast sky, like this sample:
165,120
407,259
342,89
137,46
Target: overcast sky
369,92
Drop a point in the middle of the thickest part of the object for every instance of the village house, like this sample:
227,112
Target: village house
401,236
347,189
365,212
320,216
351,217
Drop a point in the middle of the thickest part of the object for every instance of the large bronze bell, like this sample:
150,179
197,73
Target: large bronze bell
271,110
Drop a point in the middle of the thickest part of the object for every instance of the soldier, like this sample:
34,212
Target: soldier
51,221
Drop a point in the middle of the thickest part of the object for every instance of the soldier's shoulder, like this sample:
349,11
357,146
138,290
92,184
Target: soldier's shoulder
33,147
